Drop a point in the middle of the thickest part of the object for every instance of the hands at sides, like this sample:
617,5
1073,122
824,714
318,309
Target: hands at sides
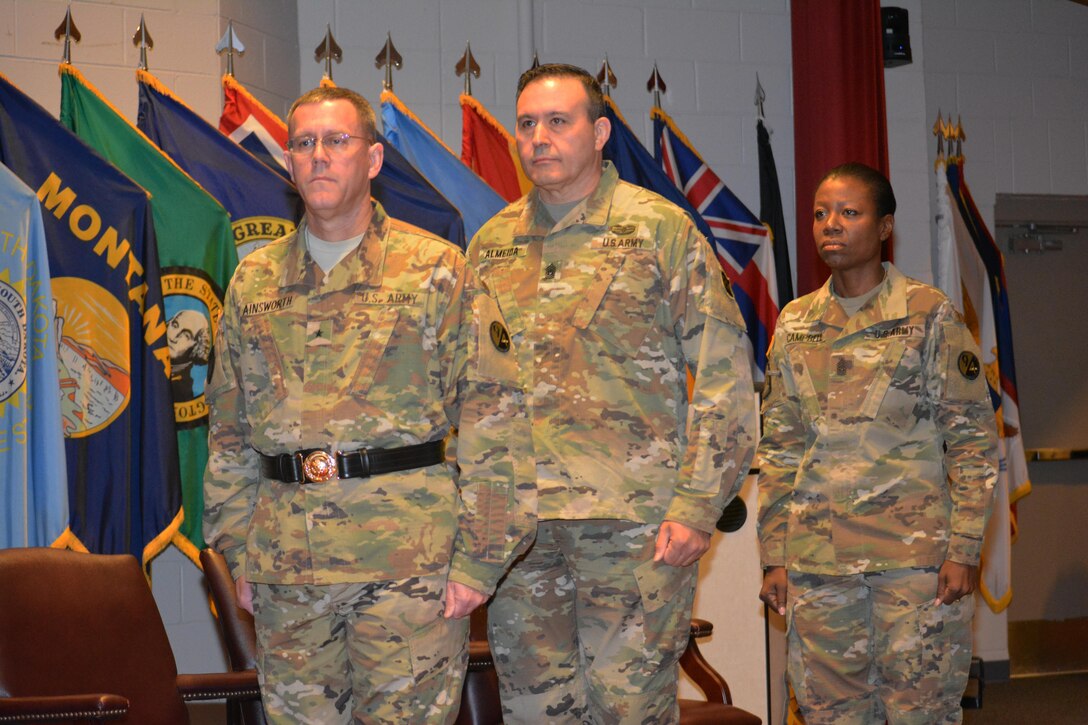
244,591
773,591
680,545
954,581
461,600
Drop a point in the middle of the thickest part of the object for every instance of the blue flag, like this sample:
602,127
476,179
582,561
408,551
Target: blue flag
33,475
741,241
476,201
113,357
635,165
407,195
263,206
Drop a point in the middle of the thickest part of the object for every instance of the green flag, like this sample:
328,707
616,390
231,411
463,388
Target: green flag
196,257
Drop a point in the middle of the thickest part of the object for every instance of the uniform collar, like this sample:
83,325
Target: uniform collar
889,303
593,211
365,264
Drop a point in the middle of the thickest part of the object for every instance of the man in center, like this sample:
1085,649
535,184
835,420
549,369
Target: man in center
606,297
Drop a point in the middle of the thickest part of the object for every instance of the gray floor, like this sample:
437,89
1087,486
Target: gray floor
1038,700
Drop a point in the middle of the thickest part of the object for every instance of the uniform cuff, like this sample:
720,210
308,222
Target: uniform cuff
474,573
964,549
698,513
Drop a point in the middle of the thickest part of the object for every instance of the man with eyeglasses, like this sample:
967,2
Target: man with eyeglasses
347,352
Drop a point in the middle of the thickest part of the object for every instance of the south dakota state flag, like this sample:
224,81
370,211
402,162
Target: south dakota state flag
476,201
197,254
33,475
741,241
113,355
263,206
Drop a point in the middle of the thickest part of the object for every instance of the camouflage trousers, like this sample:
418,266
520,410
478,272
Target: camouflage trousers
871,647
378,652
586,628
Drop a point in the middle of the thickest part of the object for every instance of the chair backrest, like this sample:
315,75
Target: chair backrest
235,623
85,623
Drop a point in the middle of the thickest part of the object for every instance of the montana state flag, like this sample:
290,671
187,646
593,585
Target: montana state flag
197,254
113,355
33,475
263,206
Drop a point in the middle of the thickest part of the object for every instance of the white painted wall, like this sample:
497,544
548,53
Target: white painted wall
1015,70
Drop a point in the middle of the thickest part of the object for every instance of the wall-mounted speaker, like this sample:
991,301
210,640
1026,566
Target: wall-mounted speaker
896,36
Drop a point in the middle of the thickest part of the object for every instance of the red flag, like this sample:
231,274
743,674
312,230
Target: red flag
488,149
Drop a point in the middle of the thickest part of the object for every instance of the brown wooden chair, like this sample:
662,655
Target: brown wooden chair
236,626
82,640
480,699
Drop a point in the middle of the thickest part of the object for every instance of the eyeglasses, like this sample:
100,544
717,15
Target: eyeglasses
334,143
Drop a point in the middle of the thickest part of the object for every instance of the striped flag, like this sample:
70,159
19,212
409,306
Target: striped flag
252,126
488,149
742,242
971,271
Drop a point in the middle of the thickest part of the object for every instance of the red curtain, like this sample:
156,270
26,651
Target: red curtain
838,105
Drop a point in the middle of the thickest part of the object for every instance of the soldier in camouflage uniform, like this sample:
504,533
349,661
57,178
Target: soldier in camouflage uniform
346,352
603,296
877,465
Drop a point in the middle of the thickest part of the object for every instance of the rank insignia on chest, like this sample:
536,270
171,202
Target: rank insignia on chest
500,338
968,365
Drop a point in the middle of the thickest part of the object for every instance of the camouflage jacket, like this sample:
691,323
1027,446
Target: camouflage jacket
600,316
374,354
879,448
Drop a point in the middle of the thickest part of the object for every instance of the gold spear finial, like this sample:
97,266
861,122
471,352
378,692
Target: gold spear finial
142,40
67,30
468,67
606,77
327,50
656,85
389,59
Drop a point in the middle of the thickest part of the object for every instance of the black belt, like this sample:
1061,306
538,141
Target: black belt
315,465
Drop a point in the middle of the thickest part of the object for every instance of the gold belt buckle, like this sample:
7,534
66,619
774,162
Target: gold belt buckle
319,467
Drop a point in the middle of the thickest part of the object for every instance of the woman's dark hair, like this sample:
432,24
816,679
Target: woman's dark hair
878,184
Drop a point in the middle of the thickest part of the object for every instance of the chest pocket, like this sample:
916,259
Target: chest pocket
380,325
262,368
621,301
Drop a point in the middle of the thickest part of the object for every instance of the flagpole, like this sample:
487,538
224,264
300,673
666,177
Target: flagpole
656,85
